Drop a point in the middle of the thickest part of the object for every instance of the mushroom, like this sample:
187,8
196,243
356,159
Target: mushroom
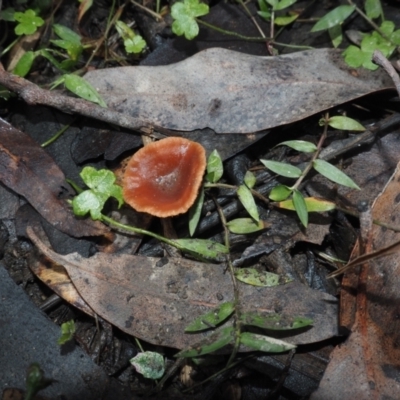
164,177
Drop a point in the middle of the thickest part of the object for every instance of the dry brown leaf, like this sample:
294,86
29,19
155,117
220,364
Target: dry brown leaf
232,92
367,365
155,298
29,171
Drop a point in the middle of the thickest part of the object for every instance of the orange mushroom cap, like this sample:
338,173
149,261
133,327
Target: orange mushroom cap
164,177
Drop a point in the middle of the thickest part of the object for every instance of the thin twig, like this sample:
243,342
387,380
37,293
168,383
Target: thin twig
381,60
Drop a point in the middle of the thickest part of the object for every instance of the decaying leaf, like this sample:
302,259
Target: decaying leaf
231,92
370,310
155,299
29,171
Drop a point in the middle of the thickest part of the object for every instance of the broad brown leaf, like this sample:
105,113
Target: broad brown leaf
29,171
232,92
367,365
156,298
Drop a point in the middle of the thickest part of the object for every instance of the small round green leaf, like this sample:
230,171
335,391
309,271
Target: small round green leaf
334,17
334,174
373,8
67,332
280,192
150,364
345,123
283,169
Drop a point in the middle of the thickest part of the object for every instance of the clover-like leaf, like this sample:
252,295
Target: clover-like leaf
150,364
184,15
29,22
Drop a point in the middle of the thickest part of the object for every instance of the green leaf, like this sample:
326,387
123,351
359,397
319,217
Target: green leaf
67,34
195,212
215,168
250,179
7,14
280,192
29,22
135,45
83,88
300,145
212,318
283,169
46,54
334,174
24,64
345,123
263,6
102,181
285,20
336,35
102,187
313,205
280,5
387,27
334,17
67,332
260,278
5,94
35,381
150,364
275,321
214,342
89,201
373,8
354,57
242,226
70,41
264,343
300,207
247,199
203,247
184,14
264,14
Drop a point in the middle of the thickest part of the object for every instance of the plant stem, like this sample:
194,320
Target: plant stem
238,324
309,166
230,33
57,135
369,21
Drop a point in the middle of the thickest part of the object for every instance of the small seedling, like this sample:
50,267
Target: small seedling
67,332
28,22
133,42
150,364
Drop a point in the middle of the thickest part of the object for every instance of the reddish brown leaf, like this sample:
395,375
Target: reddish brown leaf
155,299
232,92
29,171
370,301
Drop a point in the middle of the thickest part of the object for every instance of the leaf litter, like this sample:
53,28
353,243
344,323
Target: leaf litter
156,303
232,92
